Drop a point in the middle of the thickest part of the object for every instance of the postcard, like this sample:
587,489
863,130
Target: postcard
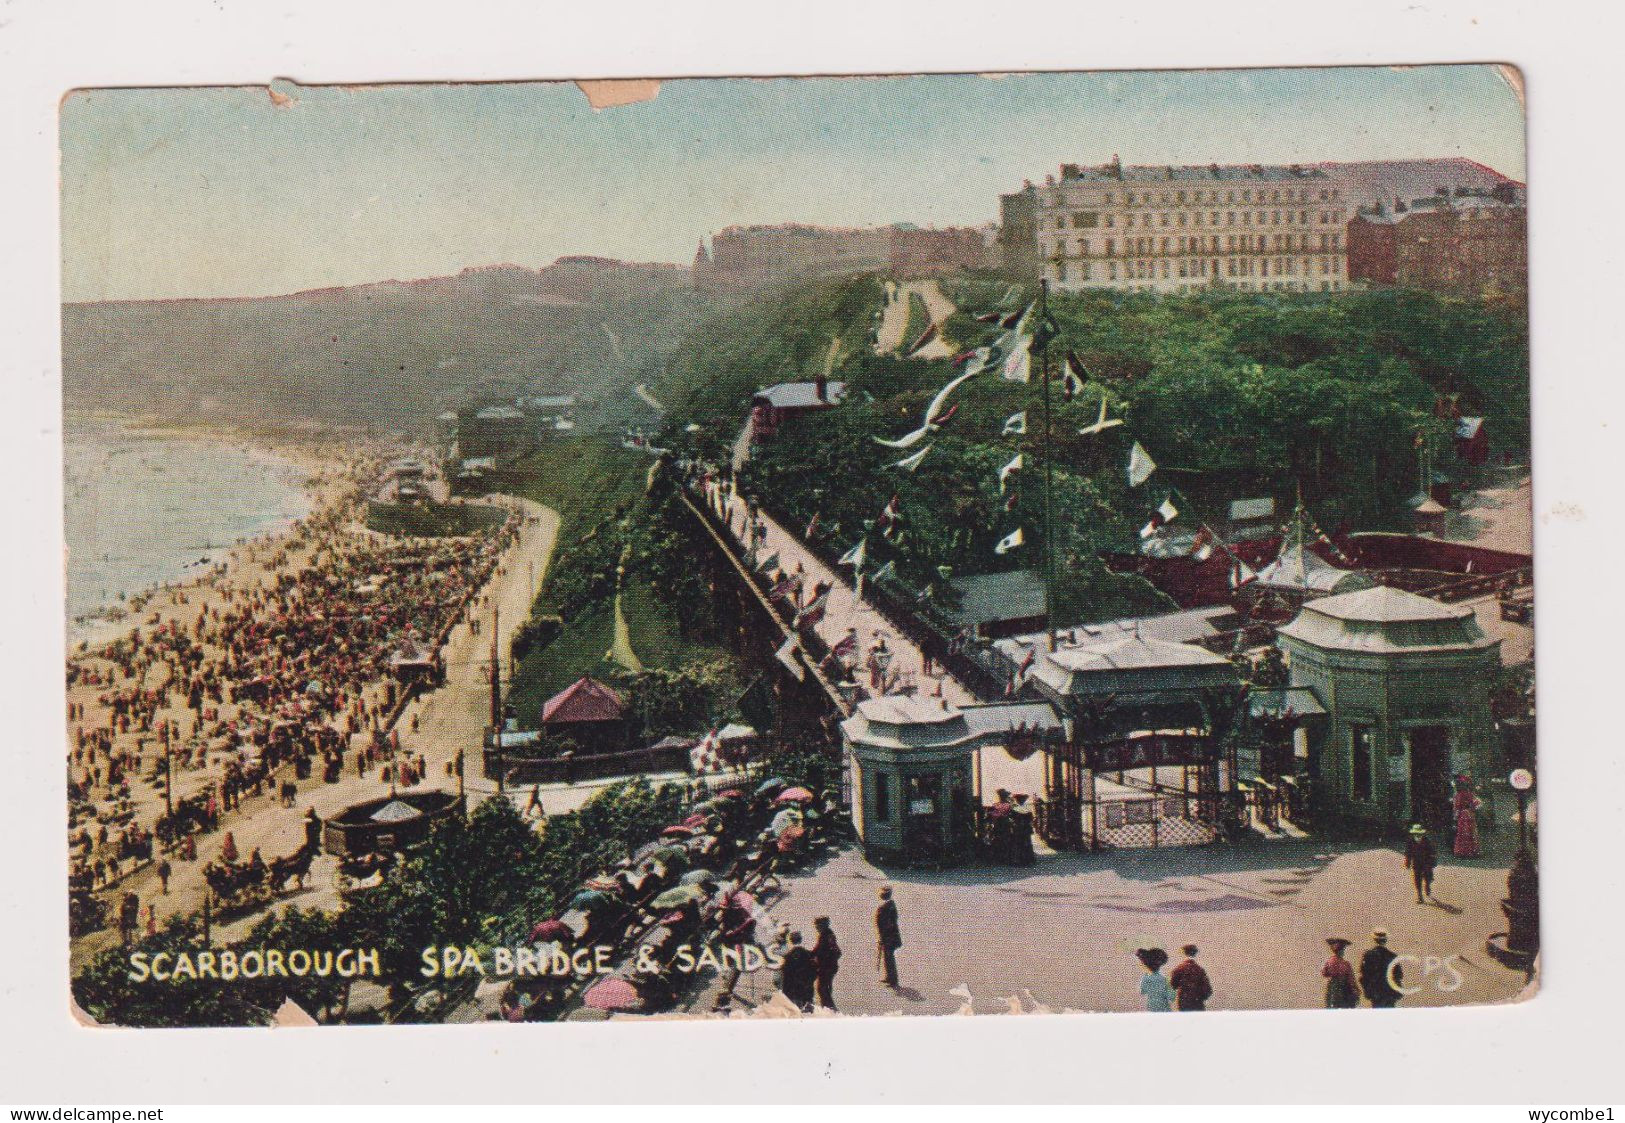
798,547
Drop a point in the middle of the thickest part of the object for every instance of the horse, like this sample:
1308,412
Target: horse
295,867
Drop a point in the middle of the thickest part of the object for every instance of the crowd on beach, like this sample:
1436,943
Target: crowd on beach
296,657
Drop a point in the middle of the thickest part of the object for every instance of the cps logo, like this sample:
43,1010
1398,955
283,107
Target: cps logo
1437,971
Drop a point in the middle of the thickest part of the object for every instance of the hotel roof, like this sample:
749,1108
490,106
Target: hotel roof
1383,620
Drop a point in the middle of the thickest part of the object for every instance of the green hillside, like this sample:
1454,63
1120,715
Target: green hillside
1233,395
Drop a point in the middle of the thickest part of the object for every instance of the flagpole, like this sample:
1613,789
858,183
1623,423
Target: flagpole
1049,470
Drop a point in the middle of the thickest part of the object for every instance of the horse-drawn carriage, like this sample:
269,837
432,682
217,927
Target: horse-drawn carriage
234,883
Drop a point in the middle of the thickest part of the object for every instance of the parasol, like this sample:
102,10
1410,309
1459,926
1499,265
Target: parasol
794,795
677,831
615,994
679,896
771,785
589,899
549,930
784,820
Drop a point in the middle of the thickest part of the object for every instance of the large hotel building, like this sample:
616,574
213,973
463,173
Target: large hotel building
1167,228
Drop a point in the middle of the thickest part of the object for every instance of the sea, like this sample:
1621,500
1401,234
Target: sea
150,507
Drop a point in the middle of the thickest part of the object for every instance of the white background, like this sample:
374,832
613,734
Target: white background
1561,1048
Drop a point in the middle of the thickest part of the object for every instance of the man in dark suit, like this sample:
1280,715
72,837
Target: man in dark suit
799,973
889,935
1378,974
1421,856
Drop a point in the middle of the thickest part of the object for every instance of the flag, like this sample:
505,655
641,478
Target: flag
812,525
926,336
846,645
1015,318
909,463
990,317
1014,466
1011,501
769,563
1073,375
1164,514
1027,662
886,521
1009,542
1018,364
887,570
1015,424
1102,424
935,415
854,556
1202,549
814,612
1140,465
1241,574
786,654
782,589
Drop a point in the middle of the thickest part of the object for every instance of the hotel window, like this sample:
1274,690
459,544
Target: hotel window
1108,198
1083,246
1060,271
1246,196
1182,218
1165,269
1230,196
1111,270
1165,245
1086,272
1085,220
1181,198
1165,218
1303,218
1129,221
1361,742
1110,221
1213,219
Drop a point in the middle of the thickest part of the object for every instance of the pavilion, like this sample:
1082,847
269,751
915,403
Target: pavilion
1406,683
588,713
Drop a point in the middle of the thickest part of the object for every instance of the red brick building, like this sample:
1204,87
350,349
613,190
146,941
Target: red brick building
1470,246
1372,239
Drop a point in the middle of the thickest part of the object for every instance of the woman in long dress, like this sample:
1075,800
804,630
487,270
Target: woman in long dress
1466,806
1159,996
1342,991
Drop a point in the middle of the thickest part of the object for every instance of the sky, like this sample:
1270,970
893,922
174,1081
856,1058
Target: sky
225,192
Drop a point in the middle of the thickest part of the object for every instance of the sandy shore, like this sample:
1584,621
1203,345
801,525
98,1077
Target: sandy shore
434,728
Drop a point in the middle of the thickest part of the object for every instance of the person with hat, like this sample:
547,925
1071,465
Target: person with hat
1342,991
1466,803
889,936
1421,857
1190,982
1021,831
999,827
1158,995
826,955
1379,973
800,974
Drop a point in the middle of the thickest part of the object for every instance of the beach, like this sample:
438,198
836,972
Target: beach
265,686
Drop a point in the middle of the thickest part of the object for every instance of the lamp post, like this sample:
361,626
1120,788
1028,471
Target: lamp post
1518,945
